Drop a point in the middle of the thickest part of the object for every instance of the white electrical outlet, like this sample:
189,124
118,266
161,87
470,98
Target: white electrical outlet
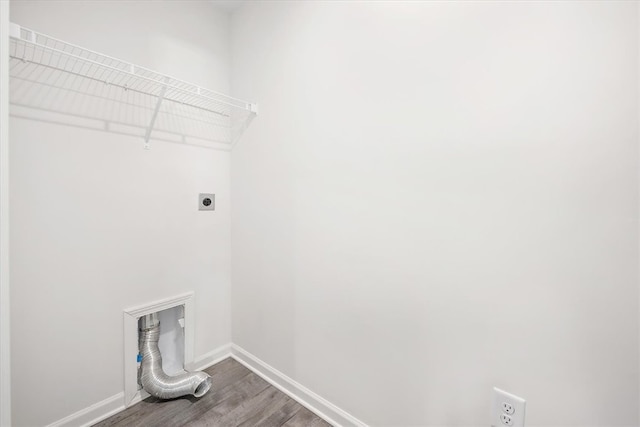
506,420
507,409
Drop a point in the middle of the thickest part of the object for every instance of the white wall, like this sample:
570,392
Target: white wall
438,198
101,224
5,318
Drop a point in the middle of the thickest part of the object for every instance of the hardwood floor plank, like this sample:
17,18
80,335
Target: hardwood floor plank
221,376
238,398
306,418
180,411
274,418
256,408
220,401
221,366
157,412
119,418
250,387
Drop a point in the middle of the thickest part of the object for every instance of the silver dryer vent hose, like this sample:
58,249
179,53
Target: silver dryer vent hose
153,378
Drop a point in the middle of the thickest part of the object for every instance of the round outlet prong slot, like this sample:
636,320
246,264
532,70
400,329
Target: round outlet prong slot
508,408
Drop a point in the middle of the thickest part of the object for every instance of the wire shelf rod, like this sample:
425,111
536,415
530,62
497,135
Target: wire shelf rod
131,66
120,102
113,122
48,74
120,71
121,86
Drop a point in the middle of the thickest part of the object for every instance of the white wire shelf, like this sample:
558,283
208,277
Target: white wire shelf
63,82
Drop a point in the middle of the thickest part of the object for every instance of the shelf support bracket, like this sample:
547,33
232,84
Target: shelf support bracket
153,118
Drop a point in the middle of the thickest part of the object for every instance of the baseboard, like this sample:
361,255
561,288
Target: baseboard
316,404
137,398
94,413
211,358
114,404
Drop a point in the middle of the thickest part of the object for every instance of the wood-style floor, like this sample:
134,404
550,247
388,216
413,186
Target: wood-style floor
238,397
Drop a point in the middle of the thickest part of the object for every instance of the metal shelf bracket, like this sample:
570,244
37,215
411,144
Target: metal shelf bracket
147,134
56,81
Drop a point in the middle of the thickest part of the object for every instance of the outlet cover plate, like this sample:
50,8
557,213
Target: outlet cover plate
206,202
499,398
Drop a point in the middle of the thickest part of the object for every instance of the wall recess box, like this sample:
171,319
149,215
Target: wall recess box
207,202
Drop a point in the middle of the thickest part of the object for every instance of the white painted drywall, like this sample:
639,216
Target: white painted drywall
438,198
101,224
638,171
5,308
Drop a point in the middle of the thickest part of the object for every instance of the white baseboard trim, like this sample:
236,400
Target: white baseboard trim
316,404
114,404
211,358
137,398
94,413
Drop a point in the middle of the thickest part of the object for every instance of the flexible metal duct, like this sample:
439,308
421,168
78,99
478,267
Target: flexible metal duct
153,378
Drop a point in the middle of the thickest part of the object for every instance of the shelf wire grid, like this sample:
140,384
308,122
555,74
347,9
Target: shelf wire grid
50,75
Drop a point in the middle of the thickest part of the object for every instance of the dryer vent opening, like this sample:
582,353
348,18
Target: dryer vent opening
203,388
